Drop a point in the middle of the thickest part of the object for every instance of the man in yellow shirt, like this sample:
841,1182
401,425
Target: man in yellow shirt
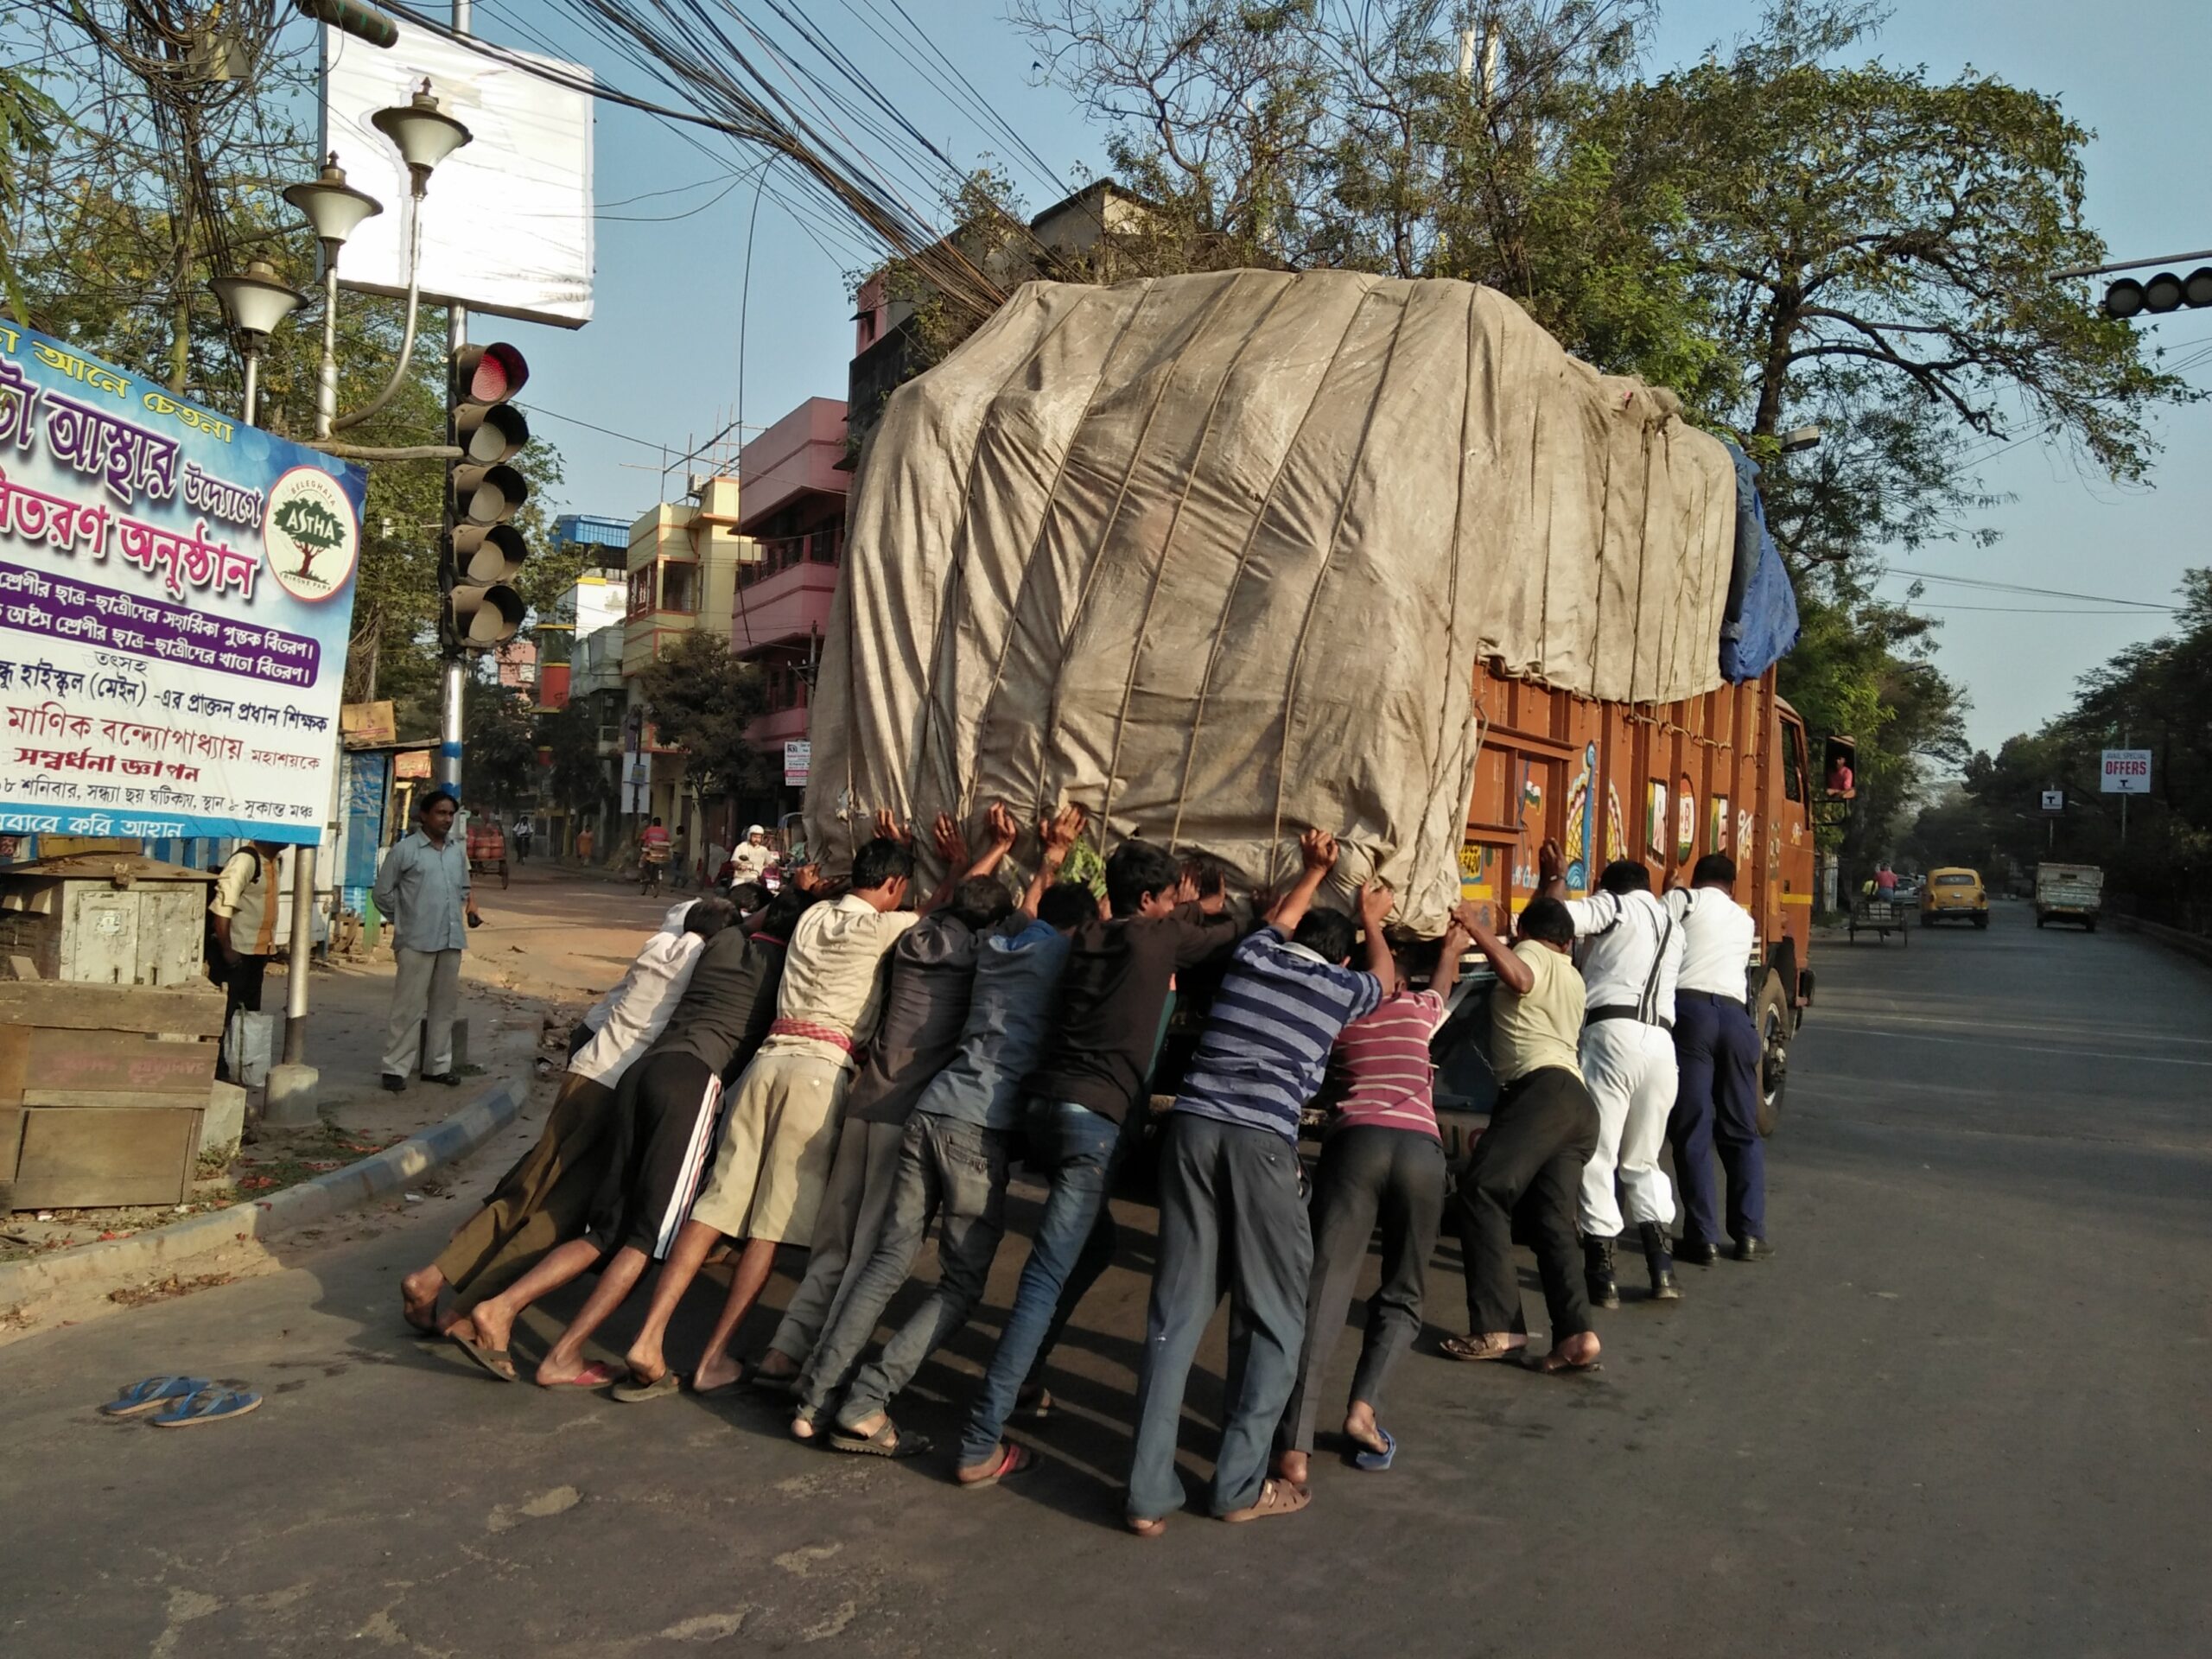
1527,1170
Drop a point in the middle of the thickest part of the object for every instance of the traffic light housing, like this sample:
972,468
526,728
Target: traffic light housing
2163,293
482,552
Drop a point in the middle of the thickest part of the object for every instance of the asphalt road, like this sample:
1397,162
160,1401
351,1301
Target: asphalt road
1963,1411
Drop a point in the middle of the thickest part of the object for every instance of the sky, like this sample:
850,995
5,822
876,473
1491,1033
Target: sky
694,279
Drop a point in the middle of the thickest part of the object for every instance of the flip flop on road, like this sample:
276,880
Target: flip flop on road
631,1392
209,1406
886,1442
1012,1459
1547,1366
498,1361
1477,1345
1376,1462
152,1395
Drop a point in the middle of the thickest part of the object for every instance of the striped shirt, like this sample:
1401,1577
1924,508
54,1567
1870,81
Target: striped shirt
1379,1075
1267,1040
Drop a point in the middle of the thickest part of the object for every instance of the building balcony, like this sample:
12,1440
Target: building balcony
782,605
772,730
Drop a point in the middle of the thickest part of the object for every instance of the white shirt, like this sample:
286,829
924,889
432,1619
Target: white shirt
1718,934
751,860
639,1008
1621,939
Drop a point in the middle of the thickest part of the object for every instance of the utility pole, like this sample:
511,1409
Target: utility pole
452,672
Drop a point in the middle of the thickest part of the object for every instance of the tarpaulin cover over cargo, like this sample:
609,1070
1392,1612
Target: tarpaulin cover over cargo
1214,556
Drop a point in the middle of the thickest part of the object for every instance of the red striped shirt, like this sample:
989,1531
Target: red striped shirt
1379,1074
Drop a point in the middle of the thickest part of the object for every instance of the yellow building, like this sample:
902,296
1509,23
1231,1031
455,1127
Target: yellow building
682,574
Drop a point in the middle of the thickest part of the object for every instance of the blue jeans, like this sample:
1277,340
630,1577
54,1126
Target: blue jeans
1076,1150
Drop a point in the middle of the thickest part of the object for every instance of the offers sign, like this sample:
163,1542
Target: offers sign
2127,771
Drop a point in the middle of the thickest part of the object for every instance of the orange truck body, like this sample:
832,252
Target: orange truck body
1665,783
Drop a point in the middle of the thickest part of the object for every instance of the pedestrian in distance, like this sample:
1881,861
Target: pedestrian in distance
520,832
1232,1203
1382,1158
1526,1172
545,1200
424,888
244,909
1716,1055
952,1166
1631,954
1078,1112
652,855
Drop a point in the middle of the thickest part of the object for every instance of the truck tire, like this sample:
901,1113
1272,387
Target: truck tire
1772,1017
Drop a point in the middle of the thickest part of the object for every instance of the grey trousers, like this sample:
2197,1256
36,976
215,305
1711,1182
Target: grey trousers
1396,1175
427,987
948,1170
1231,1215
845,1230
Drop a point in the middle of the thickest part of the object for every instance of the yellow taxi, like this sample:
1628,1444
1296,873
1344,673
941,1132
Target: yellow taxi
1953,895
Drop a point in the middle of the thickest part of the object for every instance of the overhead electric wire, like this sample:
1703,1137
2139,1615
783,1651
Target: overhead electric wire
1994,586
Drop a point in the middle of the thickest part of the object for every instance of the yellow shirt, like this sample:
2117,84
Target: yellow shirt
1544,1026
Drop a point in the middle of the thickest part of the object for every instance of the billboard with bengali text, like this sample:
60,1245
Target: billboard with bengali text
175,592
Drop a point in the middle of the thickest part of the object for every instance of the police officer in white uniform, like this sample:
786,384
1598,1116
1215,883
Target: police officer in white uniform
1717,1053
1631,952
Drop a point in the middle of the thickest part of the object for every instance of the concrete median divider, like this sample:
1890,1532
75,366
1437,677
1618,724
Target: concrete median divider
2190,944
162,1250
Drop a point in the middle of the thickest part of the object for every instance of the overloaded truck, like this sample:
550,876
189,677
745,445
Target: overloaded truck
1219,557
2069,892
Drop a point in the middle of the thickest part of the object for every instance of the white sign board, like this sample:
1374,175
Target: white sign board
798,758
506,225
2054,800
2127,771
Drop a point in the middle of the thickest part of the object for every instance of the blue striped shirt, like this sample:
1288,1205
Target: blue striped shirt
1267,1040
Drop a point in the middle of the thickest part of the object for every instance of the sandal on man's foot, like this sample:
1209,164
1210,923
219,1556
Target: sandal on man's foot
886,1442
1552,1365
631,1392
1035,1404
498,1361
1482,1345
1276,1497
1372,1461
1010,1459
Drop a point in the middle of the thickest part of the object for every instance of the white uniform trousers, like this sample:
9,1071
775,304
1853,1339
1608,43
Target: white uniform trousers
1630,1069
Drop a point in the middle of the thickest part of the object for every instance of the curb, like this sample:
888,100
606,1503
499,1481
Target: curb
2188,944
125,1260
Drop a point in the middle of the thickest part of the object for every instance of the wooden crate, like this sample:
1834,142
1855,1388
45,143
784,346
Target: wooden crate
43,1065
87,1156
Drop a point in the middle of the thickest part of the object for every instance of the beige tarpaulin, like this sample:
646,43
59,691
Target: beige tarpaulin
1214,556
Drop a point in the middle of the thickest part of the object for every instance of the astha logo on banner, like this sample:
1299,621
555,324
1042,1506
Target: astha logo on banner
311,533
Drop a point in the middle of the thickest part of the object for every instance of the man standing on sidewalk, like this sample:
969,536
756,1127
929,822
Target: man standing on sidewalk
1232,1203
244,909
1717,1050
423,889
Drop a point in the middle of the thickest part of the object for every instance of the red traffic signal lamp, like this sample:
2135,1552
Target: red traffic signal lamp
482,552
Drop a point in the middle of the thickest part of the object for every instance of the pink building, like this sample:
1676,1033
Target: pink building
791,491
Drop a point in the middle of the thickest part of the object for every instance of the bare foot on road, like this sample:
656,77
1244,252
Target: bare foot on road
1575,1353
418,1297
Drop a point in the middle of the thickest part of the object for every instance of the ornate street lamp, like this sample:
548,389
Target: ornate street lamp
254,302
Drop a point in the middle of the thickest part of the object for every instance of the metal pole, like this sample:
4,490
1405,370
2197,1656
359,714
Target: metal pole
2123,799
252,385
452,676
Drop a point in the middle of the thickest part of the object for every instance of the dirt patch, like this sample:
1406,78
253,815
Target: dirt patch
163,1290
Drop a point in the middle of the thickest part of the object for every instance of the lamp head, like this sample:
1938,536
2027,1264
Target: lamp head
254,302
333,207
422,133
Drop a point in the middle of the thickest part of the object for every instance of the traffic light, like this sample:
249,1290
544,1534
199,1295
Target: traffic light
2161,293
483,551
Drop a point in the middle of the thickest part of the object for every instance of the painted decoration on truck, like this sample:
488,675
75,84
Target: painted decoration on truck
1581,824
1616,826
1716,839
1655,819
1685,820
175,592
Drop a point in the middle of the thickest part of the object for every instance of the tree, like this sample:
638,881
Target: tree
701,700
500,733
577,778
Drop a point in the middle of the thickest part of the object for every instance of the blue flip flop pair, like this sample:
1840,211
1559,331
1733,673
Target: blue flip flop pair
180,1402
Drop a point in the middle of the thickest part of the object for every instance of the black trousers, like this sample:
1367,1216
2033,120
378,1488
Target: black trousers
1526,1176
1365,1174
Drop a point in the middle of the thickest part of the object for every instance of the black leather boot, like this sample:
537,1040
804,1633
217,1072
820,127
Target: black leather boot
1598,1272
1658,1258
1698,1252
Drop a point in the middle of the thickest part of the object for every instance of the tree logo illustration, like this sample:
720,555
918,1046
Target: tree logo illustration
312,534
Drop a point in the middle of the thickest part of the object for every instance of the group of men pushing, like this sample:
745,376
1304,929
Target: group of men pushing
835,1070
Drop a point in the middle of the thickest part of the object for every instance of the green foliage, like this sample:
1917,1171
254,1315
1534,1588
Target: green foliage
702,699
577,778
500,740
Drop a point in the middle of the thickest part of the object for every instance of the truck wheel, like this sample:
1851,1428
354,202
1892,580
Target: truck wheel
1771,1018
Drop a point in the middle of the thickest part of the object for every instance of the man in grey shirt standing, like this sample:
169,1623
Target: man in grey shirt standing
424,890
